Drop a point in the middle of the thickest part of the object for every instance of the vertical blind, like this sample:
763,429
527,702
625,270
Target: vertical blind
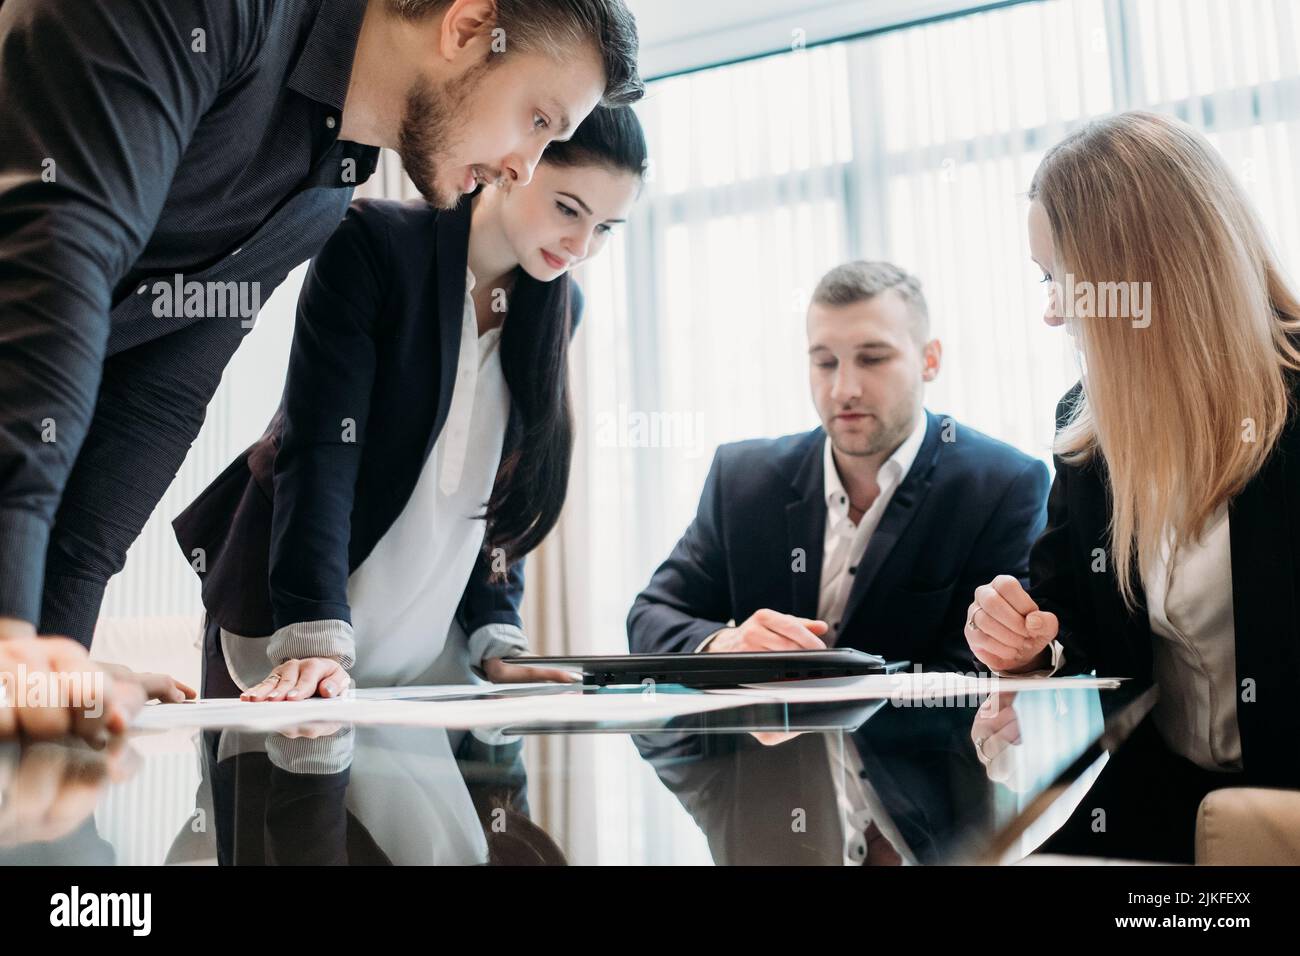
916,146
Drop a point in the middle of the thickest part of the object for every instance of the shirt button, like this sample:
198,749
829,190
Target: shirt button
331,122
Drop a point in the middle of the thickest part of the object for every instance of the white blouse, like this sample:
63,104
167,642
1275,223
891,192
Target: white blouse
844,542
404,596
1193,648
1189,606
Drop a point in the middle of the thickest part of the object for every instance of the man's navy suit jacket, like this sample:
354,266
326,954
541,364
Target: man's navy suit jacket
967,511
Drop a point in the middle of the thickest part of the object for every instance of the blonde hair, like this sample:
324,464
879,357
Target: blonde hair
1186,410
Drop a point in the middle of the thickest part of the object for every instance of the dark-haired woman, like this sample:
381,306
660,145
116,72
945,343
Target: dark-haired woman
422,447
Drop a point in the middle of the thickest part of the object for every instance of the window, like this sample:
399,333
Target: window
915,146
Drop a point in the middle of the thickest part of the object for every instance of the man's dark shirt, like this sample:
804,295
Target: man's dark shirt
141,139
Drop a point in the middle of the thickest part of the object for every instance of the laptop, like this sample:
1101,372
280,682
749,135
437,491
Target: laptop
719,670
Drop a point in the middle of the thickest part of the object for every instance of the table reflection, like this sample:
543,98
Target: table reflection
980,777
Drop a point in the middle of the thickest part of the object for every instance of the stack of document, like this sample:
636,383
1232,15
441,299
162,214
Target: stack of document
522,705
454,707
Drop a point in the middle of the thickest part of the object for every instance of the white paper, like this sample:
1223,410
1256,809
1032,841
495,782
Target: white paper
514,711
548,704
439,691
908,685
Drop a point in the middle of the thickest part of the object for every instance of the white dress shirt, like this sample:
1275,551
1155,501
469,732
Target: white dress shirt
845,543
841,552
404,596
843,546
858,803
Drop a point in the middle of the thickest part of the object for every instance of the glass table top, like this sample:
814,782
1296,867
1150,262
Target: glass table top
967,778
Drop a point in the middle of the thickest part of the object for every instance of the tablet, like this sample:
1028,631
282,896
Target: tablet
719,670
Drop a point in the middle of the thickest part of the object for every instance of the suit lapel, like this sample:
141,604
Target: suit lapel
805,519
902,508
450,262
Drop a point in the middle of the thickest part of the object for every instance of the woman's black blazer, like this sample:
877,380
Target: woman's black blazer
1099,632
276,536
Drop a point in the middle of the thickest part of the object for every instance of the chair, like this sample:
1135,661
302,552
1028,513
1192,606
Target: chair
1248,826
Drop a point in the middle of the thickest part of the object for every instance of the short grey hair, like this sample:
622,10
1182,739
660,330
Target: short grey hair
861,281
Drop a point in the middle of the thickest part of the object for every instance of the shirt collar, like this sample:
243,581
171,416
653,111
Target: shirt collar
324,67
892,471
488,339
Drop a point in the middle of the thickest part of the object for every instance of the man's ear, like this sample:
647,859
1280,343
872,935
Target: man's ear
464,22
932,359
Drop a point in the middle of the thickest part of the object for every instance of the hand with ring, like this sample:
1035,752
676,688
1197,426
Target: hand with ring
995,731
1006,630
300,680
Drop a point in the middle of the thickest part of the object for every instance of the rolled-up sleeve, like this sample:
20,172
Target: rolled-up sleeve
496,640
332,639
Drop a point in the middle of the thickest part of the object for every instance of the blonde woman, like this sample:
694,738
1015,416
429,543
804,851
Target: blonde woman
1172,548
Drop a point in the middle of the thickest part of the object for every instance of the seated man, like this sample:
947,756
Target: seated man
869,532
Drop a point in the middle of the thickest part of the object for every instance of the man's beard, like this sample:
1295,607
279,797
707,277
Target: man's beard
424,138
887,436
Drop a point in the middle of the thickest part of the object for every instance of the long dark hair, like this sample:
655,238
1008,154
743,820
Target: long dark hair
533,479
